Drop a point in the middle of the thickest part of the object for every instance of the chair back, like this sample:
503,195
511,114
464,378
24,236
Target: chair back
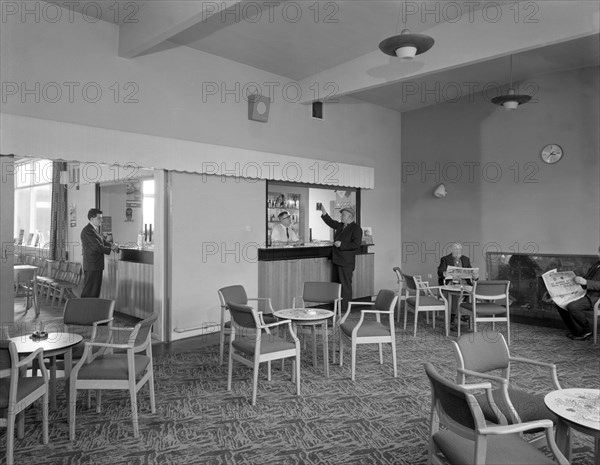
453,404
236,294
143,335
7,357
491,290
84,312
26,277
321,292
243,315
385,300
482,351
411,282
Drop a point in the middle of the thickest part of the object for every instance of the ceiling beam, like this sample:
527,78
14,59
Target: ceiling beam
157,22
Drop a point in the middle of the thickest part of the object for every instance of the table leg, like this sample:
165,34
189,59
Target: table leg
314,335
563,438
325,349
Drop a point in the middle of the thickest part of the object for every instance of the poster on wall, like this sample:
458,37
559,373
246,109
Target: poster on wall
72,215
128,214
134,195
107,228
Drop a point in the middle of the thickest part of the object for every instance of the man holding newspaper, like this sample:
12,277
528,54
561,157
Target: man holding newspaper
573,295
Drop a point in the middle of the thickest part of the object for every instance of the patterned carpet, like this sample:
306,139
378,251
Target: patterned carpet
375,420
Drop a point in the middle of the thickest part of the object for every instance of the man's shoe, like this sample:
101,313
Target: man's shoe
582,337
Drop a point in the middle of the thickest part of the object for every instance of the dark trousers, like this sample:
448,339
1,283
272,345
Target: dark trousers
92,282
574,318
343,275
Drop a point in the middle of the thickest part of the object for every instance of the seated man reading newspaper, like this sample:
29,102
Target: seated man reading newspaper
573,295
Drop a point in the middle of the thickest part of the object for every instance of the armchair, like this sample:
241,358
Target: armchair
321,292
17,393
483,306
369,331
252,343
466,437
423,299
130,369
237,294
478,354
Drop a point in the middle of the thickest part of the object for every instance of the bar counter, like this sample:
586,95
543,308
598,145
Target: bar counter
129,279
283,270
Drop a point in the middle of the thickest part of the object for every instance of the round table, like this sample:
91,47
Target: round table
578,409
314,317
57,343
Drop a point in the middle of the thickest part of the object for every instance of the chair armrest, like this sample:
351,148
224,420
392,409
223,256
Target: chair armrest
37,353
101,322
108,345
517,428
345,315
498,379
552,367
263,299
476,386
278,323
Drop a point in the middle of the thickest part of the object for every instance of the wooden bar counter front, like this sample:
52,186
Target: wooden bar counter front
283,271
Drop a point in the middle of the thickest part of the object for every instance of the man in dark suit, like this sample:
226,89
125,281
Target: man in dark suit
94,248
573,316
454,258
347,238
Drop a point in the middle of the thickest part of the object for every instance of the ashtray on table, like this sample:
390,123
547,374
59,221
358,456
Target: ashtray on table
311,311
39,335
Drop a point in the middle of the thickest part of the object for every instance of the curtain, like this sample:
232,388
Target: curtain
58,212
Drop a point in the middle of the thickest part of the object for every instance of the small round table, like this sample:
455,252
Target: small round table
578,409
314,317
57,343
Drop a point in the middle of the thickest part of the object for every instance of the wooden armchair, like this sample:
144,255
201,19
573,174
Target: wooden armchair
467,439
482,355
422,298
369,330
131,368
252,343
17,393
237,294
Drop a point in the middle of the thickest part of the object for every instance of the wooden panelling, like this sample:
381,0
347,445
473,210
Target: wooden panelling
282,280
131,285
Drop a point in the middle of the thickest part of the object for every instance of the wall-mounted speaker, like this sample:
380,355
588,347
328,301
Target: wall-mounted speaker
258,108
317,110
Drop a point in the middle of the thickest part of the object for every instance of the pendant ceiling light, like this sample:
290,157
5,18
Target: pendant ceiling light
406,45
511,100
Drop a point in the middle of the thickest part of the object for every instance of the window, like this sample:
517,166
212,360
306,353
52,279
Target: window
33,194
148,202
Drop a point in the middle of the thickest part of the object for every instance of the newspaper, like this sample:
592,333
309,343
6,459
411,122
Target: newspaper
562,287
457,272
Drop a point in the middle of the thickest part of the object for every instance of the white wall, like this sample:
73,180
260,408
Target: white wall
501,195
217,225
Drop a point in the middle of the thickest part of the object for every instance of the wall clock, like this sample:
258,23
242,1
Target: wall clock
552,153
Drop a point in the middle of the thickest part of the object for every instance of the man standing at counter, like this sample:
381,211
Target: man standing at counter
283,233
347,238
94,249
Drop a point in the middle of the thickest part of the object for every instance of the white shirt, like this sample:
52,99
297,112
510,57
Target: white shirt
279,234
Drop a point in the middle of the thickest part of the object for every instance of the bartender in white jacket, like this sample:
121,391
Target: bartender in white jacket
283,233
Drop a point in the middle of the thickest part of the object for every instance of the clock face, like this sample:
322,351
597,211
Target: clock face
552,153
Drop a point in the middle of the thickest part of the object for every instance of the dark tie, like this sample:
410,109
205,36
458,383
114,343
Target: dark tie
287,232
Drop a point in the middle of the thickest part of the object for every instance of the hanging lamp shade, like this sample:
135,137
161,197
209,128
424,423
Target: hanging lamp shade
406,45
511,100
